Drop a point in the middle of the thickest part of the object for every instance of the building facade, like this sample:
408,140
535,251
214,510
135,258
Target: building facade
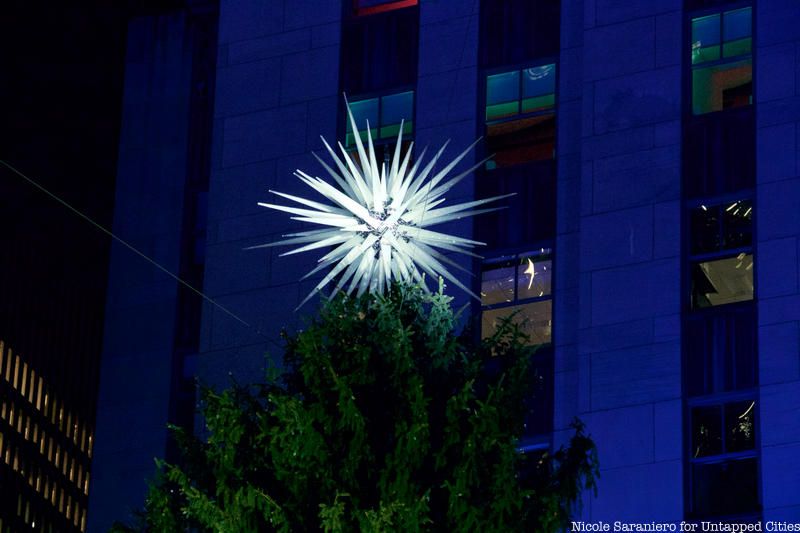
652,245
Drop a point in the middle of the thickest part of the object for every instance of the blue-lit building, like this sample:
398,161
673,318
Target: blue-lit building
652,244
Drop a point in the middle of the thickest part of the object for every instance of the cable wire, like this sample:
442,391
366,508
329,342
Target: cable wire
125,243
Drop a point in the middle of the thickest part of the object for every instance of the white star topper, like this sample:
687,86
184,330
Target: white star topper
378,223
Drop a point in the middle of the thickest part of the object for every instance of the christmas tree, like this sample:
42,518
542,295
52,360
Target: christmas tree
383,419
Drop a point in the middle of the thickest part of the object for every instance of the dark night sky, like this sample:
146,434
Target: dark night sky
60,101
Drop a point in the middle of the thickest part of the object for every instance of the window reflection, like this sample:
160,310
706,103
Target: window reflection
721,227
739,426
535,320
721,48
706,431
520,118
384,114
722,281
372,7
722,87
519,285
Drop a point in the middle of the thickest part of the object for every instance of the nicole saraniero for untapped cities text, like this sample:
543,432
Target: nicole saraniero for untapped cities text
732,527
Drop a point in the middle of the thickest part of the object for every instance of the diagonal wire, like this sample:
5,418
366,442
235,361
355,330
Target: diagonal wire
125,243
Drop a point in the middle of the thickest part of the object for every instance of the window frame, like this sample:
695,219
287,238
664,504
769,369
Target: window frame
543,354
379,95
690,67
693,259
514,256
722,400
484,123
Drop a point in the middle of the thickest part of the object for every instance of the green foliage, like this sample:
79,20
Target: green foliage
383,421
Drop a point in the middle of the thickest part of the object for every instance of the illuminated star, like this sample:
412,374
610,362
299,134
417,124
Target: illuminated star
376,219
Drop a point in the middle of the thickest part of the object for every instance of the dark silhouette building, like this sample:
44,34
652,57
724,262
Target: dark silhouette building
59,99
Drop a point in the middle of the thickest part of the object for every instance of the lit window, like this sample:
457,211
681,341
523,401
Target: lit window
16,371
518,284
371,7
722,73
384,115
39,394
33,386
520,117
724,472
721,254
722,281
23,386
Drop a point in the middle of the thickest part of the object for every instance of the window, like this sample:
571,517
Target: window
721,254
520,115
520,284
371,7
384,114
723,463
722,69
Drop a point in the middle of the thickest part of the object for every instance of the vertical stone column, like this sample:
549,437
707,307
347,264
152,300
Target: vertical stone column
777,222
277,92
628,248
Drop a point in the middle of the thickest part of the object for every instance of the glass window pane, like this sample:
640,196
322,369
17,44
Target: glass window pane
722,281
395,108
725,488
705,229
737,24
535,319
740,426
534,275
520,141
502,95
705,39
737,224
722,87
497,283
363,111
706,431
715,228
737,48
539,84
737,30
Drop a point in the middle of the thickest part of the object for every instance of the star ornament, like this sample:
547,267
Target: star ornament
377,219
